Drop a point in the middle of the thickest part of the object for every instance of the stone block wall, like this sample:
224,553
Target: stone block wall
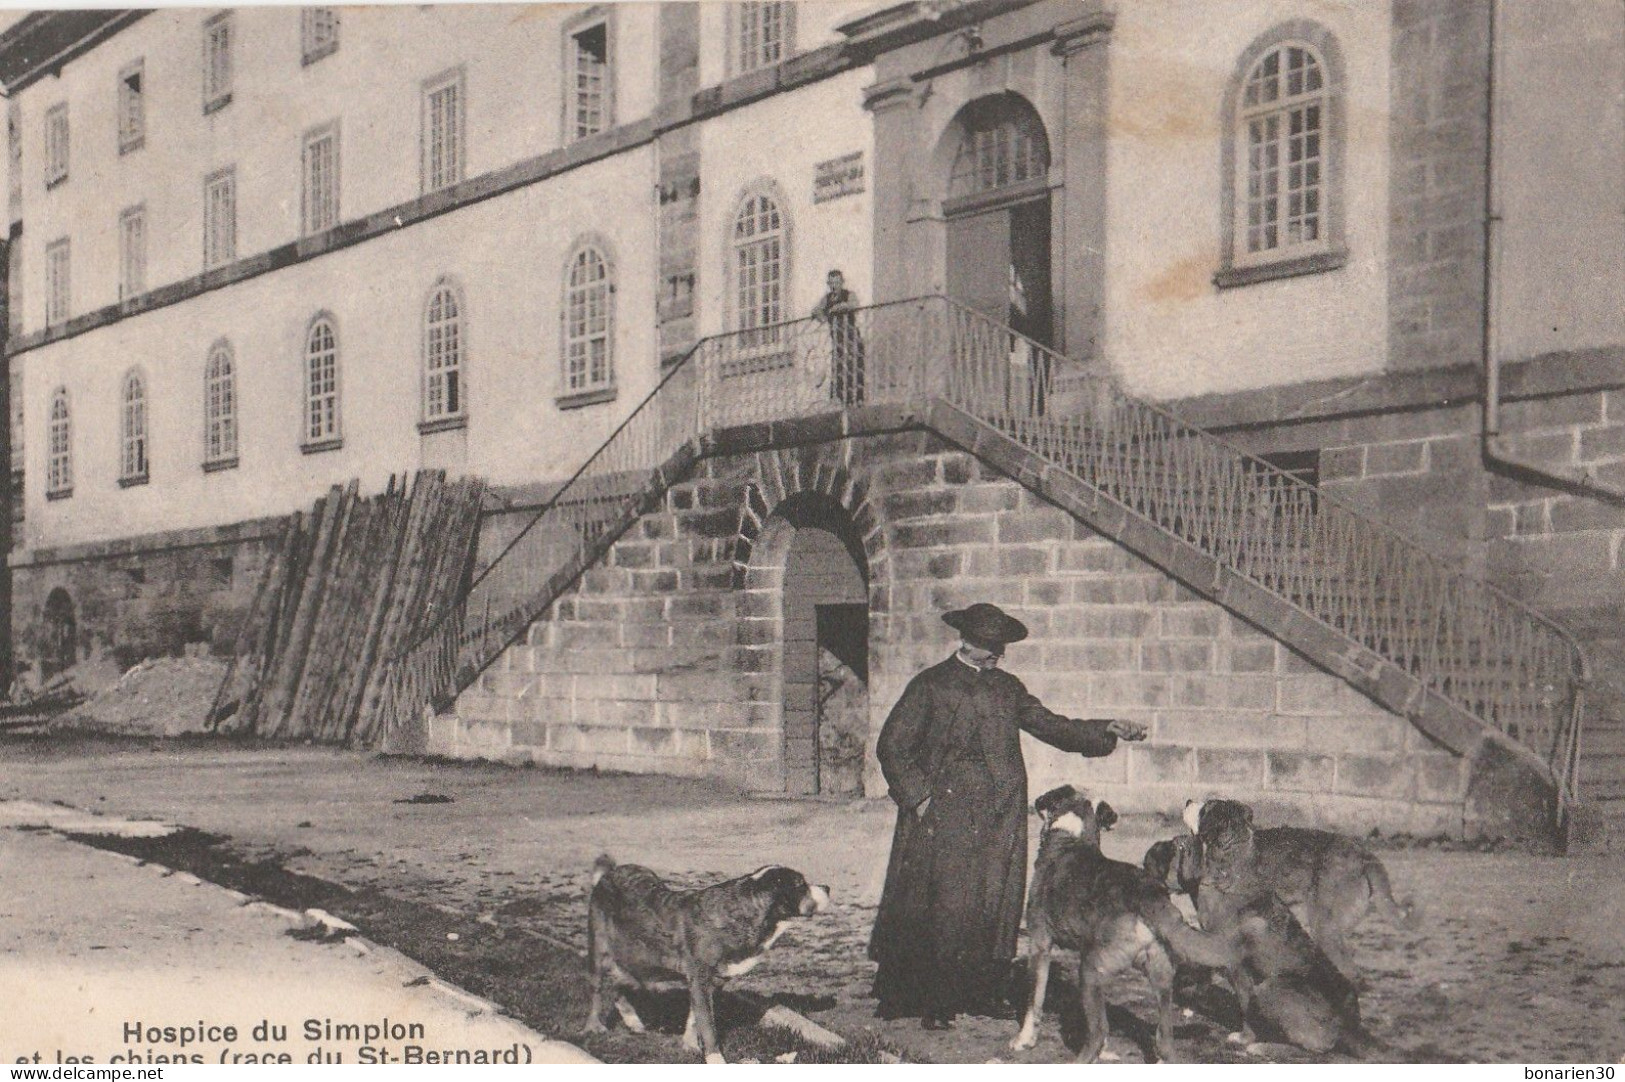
668,658
144,597
1230,710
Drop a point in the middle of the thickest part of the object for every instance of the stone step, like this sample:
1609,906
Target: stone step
1609,796
1601,768
1602,740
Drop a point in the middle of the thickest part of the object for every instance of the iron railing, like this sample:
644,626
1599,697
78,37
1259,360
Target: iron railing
1477,647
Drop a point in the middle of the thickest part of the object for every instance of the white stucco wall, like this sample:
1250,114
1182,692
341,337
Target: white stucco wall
1560,115
781,139
511,56
508,254
1169,331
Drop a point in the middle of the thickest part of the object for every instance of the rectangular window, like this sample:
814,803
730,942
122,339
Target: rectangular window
321,192
319,33
217,42
57,291
764,33
56,144
590,74
219,218
443,127
132,108
132,253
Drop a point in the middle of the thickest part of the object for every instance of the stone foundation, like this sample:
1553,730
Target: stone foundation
142,597
668,658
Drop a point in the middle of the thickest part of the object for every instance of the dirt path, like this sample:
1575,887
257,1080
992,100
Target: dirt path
1519,958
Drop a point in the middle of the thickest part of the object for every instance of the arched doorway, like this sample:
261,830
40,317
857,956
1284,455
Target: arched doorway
997,211
60,650
826,649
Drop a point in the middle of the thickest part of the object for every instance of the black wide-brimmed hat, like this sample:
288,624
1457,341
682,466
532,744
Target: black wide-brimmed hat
988,625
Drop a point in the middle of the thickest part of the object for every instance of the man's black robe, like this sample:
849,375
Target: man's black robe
946,930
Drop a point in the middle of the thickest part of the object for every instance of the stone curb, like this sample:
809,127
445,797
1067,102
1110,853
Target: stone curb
549,1050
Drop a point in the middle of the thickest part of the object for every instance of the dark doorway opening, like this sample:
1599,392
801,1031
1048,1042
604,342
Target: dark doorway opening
826,638
60,650
843,697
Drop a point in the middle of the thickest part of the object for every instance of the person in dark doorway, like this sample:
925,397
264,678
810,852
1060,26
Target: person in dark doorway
945,934
838,309
1029,365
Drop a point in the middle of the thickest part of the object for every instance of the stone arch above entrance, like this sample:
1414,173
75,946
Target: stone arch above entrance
808,585
783,475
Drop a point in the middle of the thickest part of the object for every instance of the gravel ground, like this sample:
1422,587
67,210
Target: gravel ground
1519,958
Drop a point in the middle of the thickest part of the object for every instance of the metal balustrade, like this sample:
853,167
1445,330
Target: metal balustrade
1477,647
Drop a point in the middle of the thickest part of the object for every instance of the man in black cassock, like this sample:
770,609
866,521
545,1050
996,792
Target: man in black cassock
951,752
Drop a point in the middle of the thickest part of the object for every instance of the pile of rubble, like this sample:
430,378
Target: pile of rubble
166,696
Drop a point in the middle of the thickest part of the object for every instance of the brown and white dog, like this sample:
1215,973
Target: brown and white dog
641,932
1113,914
1289,989
1330,882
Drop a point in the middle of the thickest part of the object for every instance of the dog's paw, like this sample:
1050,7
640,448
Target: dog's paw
1108,1056
634,1025
1238,1038
715,1057
596,1025
691,1041
1023,1041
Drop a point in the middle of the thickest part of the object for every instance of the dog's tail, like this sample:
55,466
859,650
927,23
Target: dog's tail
1191,945
1408,914
603,864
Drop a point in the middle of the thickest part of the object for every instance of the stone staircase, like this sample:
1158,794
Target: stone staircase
1471,667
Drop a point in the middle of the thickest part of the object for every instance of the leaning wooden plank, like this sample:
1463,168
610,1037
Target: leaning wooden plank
228,697
328,646
272,634
328,608
373,717
368,570
384,556
281,694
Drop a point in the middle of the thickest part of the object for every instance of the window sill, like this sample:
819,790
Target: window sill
316,447
318,53
443,424
59,494
578,399
217,104
218,464
133,480
1291,267
54,182
132,145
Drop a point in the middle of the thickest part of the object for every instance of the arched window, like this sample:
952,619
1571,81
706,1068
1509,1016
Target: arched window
1283,115
589,319
321,429
220,409
444,394
59,447
133,429
1001,144
761,266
